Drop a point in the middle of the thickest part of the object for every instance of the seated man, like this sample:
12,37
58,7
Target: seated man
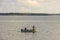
25,28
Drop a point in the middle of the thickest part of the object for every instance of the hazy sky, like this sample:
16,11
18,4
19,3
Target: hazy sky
30,6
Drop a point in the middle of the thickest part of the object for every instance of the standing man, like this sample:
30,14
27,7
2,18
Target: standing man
33,28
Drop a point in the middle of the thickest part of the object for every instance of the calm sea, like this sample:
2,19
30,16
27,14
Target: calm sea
47,27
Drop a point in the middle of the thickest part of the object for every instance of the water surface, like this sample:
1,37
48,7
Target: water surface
47,27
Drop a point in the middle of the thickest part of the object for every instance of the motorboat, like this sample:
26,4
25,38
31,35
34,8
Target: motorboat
28,30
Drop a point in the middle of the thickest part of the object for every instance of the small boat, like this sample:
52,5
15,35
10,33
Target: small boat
22,30
27,30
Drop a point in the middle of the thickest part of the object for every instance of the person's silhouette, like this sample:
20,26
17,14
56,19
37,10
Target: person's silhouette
33,28
25,28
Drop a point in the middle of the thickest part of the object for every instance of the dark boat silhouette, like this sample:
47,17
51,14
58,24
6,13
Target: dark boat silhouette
29,30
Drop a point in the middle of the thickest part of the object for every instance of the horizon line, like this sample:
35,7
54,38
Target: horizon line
29,14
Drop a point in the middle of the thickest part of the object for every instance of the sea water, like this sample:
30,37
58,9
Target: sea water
47,27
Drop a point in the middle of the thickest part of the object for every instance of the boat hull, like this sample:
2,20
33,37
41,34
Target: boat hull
27,31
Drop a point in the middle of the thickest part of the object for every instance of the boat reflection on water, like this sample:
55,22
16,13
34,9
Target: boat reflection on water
29,30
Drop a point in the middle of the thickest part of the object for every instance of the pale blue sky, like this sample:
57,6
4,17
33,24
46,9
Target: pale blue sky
30,6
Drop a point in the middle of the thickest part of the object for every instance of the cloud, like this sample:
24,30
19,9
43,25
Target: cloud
29,2
34,6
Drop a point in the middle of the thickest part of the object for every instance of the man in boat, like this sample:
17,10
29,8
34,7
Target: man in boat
25,29
34,29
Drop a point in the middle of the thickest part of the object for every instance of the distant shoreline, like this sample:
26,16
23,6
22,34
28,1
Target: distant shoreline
29,14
